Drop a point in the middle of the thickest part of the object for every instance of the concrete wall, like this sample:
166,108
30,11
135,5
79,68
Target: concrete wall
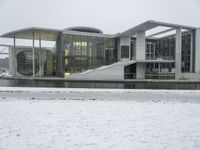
197,51
13,61
189,76
111,72
140,46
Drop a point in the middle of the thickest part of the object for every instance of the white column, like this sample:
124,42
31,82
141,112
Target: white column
14,58
197,51
140,45
33,55
178,53
140,54
191,52
140,71
40,57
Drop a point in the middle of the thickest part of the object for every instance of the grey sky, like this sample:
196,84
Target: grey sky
111,16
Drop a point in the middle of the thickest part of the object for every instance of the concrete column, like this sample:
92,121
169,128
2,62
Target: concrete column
11,63
178,53
33,55
118,50
140,71
197,51
125,41
14,58
140,45
43,59
140,54
60,67
191,52
40,57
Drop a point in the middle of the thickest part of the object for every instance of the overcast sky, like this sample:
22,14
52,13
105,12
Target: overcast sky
112,16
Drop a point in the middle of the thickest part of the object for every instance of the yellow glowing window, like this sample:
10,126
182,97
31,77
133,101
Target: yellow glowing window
66,74
84,44
66,52
66,62
80,43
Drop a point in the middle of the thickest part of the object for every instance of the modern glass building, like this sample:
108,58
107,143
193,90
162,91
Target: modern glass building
81,53
85,53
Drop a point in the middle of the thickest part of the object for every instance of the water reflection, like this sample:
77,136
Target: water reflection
129,85
30,83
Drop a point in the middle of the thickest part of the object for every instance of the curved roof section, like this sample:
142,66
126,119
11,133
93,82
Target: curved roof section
84,29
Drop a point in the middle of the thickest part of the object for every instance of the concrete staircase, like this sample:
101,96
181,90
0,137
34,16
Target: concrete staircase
114,71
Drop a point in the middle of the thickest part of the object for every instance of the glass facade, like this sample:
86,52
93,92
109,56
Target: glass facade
150,50
24,63
166,49
87,52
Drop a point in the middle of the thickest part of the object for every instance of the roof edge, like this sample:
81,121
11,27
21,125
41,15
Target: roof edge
28,29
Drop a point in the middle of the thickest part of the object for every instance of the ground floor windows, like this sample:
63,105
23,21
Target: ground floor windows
160,71
152,71
130,71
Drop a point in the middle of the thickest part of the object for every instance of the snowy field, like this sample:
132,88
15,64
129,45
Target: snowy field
99,119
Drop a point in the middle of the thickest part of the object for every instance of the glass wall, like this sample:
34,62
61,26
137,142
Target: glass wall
165,48
87,52
150,50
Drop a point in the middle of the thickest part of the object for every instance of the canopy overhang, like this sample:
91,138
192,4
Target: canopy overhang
150,25
45,34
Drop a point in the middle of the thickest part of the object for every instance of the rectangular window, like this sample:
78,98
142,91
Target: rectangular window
124,51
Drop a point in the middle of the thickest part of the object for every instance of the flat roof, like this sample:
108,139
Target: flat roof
150,25
46,34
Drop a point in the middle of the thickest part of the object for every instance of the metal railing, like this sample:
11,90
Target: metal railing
151,75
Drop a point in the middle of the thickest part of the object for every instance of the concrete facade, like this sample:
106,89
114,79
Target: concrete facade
111,72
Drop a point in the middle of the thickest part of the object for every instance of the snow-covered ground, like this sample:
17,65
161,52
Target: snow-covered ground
99,119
